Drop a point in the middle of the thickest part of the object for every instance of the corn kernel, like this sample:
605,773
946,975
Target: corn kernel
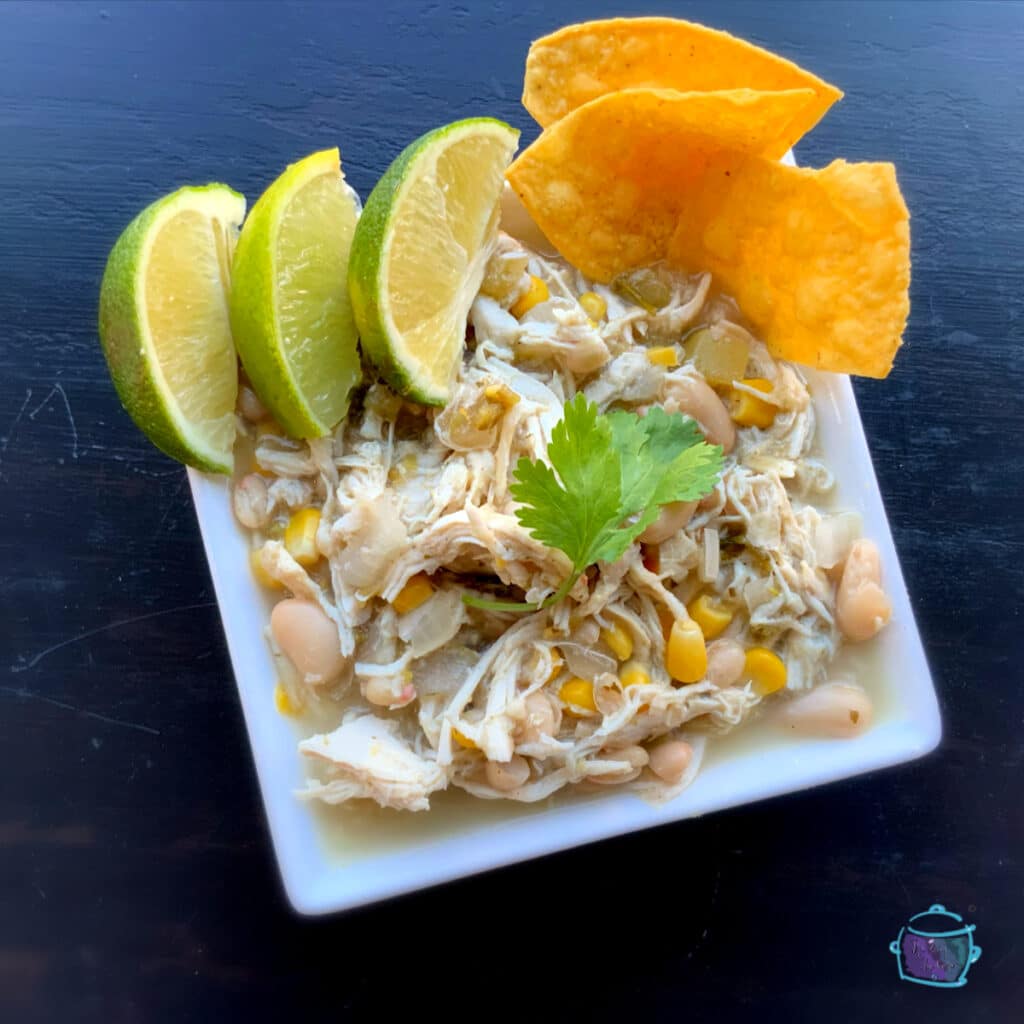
502,394
283,702
749,411
578,694
765,669
633,674
413,594
619,640
686,657
463,740
666,355
710,614
497,400
262,577
594,306
537,292
300,536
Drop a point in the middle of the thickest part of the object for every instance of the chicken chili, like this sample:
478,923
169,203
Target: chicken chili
373,536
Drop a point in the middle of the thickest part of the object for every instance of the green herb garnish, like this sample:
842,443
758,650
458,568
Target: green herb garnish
609,476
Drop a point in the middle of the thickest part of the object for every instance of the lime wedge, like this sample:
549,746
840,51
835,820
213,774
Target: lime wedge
419,252
164,325
290,310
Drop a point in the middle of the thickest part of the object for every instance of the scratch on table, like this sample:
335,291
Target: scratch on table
169,506
27,663
58,389
25,694
6,439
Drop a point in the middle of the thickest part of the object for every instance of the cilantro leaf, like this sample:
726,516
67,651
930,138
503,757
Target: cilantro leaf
689,466
608,478
577,511
638,475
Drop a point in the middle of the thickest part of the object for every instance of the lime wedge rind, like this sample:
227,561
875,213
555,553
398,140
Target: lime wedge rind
424,379
127,341
310,407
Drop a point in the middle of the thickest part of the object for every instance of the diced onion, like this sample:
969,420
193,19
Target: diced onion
433,624
833,537
585,662
444,671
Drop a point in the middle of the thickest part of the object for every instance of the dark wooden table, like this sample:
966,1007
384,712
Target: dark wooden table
136,877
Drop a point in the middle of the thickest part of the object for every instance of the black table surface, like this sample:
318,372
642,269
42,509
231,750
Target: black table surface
136,875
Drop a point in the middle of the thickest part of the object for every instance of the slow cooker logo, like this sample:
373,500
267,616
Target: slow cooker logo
936,948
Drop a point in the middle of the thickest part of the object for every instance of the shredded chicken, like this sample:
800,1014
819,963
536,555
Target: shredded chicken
415,501
367,757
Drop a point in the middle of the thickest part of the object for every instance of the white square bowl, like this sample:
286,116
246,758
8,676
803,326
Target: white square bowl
332,859
339,858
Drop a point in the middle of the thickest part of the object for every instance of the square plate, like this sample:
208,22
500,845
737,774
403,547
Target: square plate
338,858
334,858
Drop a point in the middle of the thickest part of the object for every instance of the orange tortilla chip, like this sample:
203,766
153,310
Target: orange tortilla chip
818,260
580,62
611,178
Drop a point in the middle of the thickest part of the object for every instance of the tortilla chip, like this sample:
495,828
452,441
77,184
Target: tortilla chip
611,178
578,63
819,261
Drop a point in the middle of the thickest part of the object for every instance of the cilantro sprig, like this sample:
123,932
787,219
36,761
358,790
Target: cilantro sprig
610,473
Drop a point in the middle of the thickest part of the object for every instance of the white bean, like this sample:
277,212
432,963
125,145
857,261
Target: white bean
725,663
543,717
508,775
862,606
671,519
670,759
696,398
832,709
309,638
249,501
